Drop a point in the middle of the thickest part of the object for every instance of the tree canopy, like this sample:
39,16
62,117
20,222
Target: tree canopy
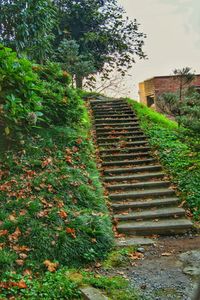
106,39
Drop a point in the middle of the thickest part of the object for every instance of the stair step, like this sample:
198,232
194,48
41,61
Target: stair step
122,138
113,111
115,125
134,170
152,214
140,185
146,203
129,162
124,156
115,121
125,144
110,129
142,194
116,116
125,150
134,241
151,227
134,177
118,133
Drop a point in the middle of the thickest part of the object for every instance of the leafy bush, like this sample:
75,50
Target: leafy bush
170,144
35,95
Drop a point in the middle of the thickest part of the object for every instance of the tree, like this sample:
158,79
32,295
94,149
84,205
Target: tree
78,65
101,30
27,27
184,77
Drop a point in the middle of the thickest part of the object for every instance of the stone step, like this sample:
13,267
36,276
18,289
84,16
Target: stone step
140,185
138,169
113,111
134,241
138,143
137,177
109,129
116,116
124,156
150,227
125,150
170,212
110,107
123,138
119,134
145,203
129,162
115,121
162,192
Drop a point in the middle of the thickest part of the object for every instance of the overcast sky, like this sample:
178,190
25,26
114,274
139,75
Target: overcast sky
173,37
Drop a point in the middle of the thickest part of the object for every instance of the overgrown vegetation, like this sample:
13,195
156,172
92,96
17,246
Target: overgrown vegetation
66,284
176,149
53,211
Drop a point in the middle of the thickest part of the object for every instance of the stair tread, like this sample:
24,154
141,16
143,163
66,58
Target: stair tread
136,169
142,193
145,203
132,177
151,213
135,161
152,224
138,185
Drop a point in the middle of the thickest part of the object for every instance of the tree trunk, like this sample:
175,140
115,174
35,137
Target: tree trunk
79,82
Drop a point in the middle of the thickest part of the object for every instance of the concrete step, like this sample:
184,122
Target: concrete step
115,125
129,162
116,157
125,150
134,241
139,185
138,169
145,203
150,227
137,177
113,111
119,134
162,192
115,116
169,212
127,144
115,121
110,129
122,138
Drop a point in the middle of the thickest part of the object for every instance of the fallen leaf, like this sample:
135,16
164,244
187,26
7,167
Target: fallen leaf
15,235
19,262
3,232
71,231
63,214
51,266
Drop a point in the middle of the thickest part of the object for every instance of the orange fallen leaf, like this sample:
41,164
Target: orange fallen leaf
15,235
71,231
3,232
51,266
166,254
63,214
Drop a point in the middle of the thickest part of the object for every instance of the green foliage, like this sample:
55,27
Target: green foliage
66,284
20,103
35,95
102,31
26,26
171,145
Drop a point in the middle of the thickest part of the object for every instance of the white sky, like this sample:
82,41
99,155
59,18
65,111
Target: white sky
173,38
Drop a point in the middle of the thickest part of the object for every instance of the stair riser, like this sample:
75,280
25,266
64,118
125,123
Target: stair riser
111,112
159,231
131,178
138,186
119,134
140,195
115,121
129,162
125,151
143,205
122,139
150,217
121,157
109,130
133,170
130,144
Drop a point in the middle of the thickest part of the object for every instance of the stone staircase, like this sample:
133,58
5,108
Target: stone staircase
142,199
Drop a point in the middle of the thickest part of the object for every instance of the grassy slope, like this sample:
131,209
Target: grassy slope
174,152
